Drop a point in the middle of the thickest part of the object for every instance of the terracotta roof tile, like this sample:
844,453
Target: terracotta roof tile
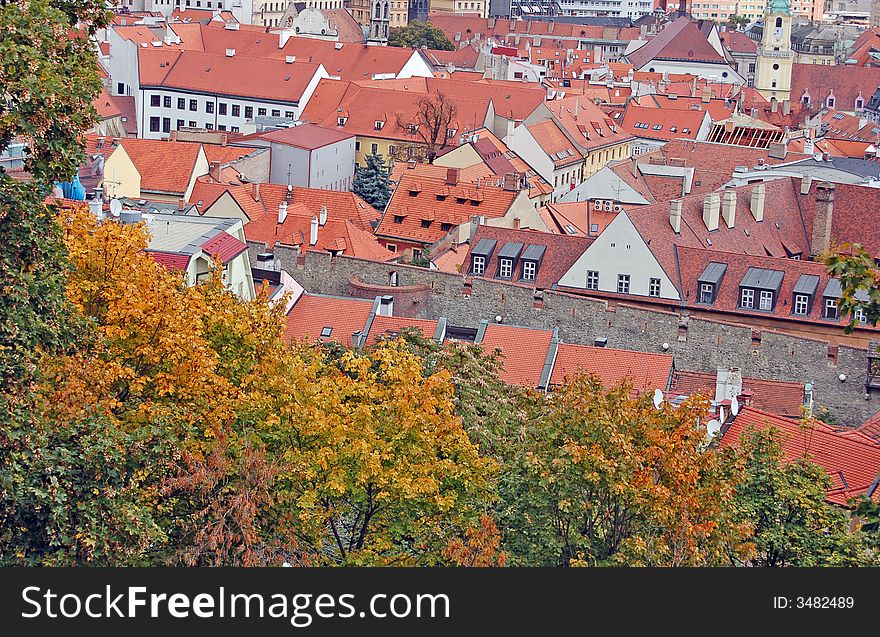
307,136
679,40
164,166
647,371
662,123
774,396
852,464
871,427
390,326
848,218
313,313
224,246
524,351
846,82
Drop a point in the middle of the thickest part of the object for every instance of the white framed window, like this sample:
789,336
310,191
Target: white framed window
623,284
766,300
859,315
707,293
529,268
801,304
592,280
831,311
479,265
654,287
747,298
505,270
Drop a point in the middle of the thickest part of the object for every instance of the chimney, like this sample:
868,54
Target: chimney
822,220
516,222
257,191
806,182
757,204
728,207
214,170
313,233
181,205
774,105
786,107
510,182
282,212
452,175
322,216
711,210
675,215
707,94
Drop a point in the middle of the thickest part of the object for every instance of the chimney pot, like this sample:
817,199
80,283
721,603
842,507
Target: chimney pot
282,212
806,183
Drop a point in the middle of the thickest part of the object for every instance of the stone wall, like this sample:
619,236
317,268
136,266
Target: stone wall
697,344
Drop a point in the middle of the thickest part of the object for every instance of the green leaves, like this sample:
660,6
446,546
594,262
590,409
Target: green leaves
417,34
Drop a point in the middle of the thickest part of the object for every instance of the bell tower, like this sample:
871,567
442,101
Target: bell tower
775,57
380,20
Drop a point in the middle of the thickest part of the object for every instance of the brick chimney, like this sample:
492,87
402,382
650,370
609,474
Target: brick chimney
452,175
711,210
728,207
214,170
675,215
823,217
757,203
706,97
257,191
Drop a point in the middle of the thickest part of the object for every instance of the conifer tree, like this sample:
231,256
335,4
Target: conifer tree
371,182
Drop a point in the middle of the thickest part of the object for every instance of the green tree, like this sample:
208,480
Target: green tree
371,183
785,504
418,34
860,283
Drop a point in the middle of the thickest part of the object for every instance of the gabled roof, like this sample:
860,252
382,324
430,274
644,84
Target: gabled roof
560,252
586,123
852,463
680,40
646,370
871,427
306,136
549,136
846,82
313,313
524,351
347,29
662,123
417,199
164,166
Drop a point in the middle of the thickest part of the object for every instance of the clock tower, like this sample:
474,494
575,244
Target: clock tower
775,57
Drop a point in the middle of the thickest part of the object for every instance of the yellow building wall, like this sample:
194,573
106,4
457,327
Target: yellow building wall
121,178
599,158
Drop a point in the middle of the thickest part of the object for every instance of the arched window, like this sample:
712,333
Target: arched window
386,10
778,23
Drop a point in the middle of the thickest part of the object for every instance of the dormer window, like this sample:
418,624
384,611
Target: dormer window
450,132
378,124
413,129
398,218
804,292
531,261
831,295
759,289
747,298
507,257
480,255
831,310
860,103
426,223
478,265
830,101
505,268
529,268
341,121
709,281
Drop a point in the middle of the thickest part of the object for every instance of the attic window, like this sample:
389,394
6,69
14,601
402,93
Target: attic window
341,121
686,131
830,102
398,218
837,116
450,132
326,331
657,127
426,223
641,125
378,124
446,226
673,129
413,129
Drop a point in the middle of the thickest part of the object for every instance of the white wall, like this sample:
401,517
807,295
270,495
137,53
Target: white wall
620,249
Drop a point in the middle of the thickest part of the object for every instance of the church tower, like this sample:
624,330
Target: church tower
775,57
380,20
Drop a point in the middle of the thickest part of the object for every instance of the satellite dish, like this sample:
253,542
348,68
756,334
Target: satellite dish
115,207
713,427
734,406
658,398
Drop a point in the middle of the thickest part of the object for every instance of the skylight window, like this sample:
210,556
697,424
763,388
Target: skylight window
657,127
327,331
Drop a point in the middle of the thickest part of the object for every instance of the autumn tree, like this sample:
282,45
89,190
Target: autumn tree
860,283
418,34
785,503
600,477
433,123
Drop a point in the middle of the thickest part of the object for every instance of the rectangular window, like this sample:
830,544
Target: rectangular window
166,124
192,124
154,100
154,124
654,287
391,247
166,101
592,280
505,270
193,105
234,129
374,148
181,103
766,300
221,127
120,88
529,268
479,265
209,126
831,309
357,146
623,284
261,111
209,107
859,315
223,108
180,124
248,111
707,293
288,114
747,299
236,110
801,304
276,112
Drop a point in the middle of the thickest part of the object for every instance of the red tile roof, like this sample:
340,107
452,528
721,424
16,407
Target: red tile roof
846,82
718,108
851,463
774,396
848,218
417,199
549,136
312,313
586,123
738,42
679,40
561,252
646,370
164,166
224,246
171,260
662,123
562,217
390,326
347,29
871,427
217,73
524,351
306,136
